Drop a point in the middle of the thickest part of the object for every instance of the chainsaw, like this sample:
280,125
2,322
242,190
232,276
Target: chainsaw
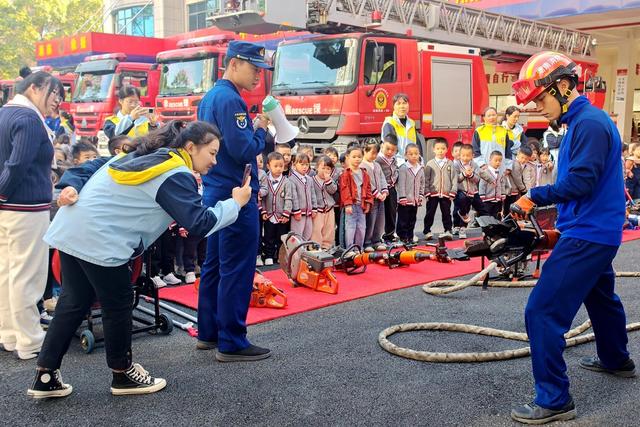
306,264
265,294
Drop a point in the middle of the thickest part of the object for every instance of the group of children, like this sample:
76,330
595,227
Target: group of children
365,198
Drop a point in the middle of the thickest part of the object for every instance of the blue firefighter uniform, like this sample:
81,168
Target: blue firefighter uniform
227,274
589,194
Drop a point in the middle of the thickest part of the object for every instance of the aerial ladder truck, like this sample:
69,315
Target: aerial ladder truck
338,87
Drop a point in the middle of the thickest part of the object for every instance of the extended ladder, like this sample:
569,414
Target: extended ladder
424,19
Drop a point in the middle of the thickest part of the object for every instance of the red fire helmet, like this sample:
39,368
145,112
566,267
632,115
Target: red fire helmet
539,72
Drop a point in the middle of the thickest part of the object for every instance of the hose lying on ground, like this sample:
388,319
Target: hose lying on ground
442,287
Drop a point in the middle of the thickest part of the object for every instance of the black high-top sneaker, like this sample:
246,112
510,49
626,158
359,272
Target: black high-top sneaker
135,380
48,383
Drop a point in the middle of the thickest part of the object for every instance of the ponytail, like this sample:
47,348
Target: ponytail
176,134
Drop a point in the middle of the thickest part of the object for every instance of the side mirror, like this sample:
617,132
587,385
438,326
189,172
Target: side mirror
378,58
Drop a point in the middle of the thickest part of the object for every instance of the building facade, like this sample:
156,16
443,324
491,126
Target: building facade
156,18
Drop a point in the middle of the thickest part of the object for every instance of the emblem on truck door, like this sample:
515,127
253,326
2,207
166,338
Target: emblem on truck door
303,124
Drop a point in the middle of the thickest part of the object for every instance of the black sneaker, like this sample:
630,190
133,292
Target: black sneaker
249,354
48,383
593,363
135,380
534,414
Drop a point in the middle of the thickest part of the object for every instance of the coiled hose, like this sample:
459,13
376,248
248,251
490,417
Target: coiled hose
442,287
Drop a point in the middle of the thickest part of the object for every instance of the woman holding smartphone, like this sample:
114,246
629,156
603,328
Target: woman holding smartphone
132,119
112,213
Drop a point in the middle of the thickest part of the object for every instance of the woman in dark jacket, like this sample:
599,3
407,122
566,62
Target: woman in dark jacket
26,160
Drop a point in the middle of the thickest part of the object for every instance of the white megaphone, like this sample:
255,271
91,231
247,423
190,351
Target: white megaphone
285,131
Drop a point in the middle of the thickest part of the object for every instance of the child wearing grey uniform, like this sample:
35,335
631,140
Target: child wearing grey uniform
325,188
380,191
411,193
304,198
441,188
277,205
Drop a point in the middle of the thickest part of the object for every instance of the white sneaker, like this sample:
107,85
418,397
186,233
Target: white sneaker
415,239
268,261
158,282
381,247
446,235
8,347
45,319
190,278
349,254
259,261
369,249
135,380
455,231
27,355
50,304
171,279
462,233
428,236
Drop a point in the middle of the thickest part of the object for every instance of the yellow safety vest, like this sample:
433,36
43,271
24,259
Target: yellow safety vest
377,75
136,130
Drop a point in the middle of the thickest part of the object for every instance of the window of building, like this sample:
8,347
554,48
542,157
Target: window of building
198,13
134,21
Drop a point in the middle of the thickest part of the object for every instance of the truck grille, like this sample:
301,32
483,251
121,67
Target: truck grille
321,127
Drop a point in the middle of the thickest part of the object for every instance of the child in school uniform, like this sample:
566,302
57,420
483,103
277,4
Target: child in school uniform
325,188
493,185
277,205
387,161
411,192
355,197
442,185
332,153
261,176
467,196
304,198
375,217
457,221
546,176
522,177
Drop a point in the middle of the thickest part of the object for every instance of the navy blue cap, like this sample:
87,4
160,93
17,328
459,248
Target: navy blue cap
249,52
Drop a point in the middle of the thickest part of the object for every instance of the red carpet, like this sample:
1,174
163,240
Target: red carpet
377,279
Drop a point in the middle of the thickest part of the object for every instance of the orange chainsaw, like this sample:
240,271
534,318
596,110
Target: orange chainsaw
265,294
306,264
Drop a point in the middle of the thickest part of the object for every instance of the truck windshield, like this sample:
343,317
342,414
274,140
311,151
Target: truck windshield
314,64
187,77
93,87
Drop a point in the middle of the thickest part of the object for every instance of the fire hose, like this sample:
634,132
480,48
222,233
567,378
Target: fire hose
573,337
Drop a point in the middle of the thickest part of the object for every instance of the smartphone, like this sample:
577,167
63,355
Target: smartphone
247,172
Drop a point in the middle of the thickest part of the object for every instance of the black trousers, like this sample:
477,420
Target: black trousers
406,222
445,210
190,252
390,213
82,282
464,204
272,241
164,253
494,209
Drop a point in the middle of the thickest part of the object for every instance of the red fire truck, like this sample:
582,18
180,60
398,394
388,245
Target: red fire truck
339,87
103,63
187,73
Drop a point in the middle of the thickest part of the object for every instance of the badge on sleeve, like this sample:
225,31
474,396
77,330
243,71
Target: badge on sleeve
241,120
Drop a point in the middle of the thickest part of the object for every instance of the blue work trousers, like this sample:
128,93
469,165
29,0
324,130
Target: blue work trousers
227,279
577,272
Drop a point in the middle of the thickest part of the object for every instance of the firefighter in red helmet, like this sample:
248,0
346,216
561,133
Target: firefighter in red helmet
589,194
